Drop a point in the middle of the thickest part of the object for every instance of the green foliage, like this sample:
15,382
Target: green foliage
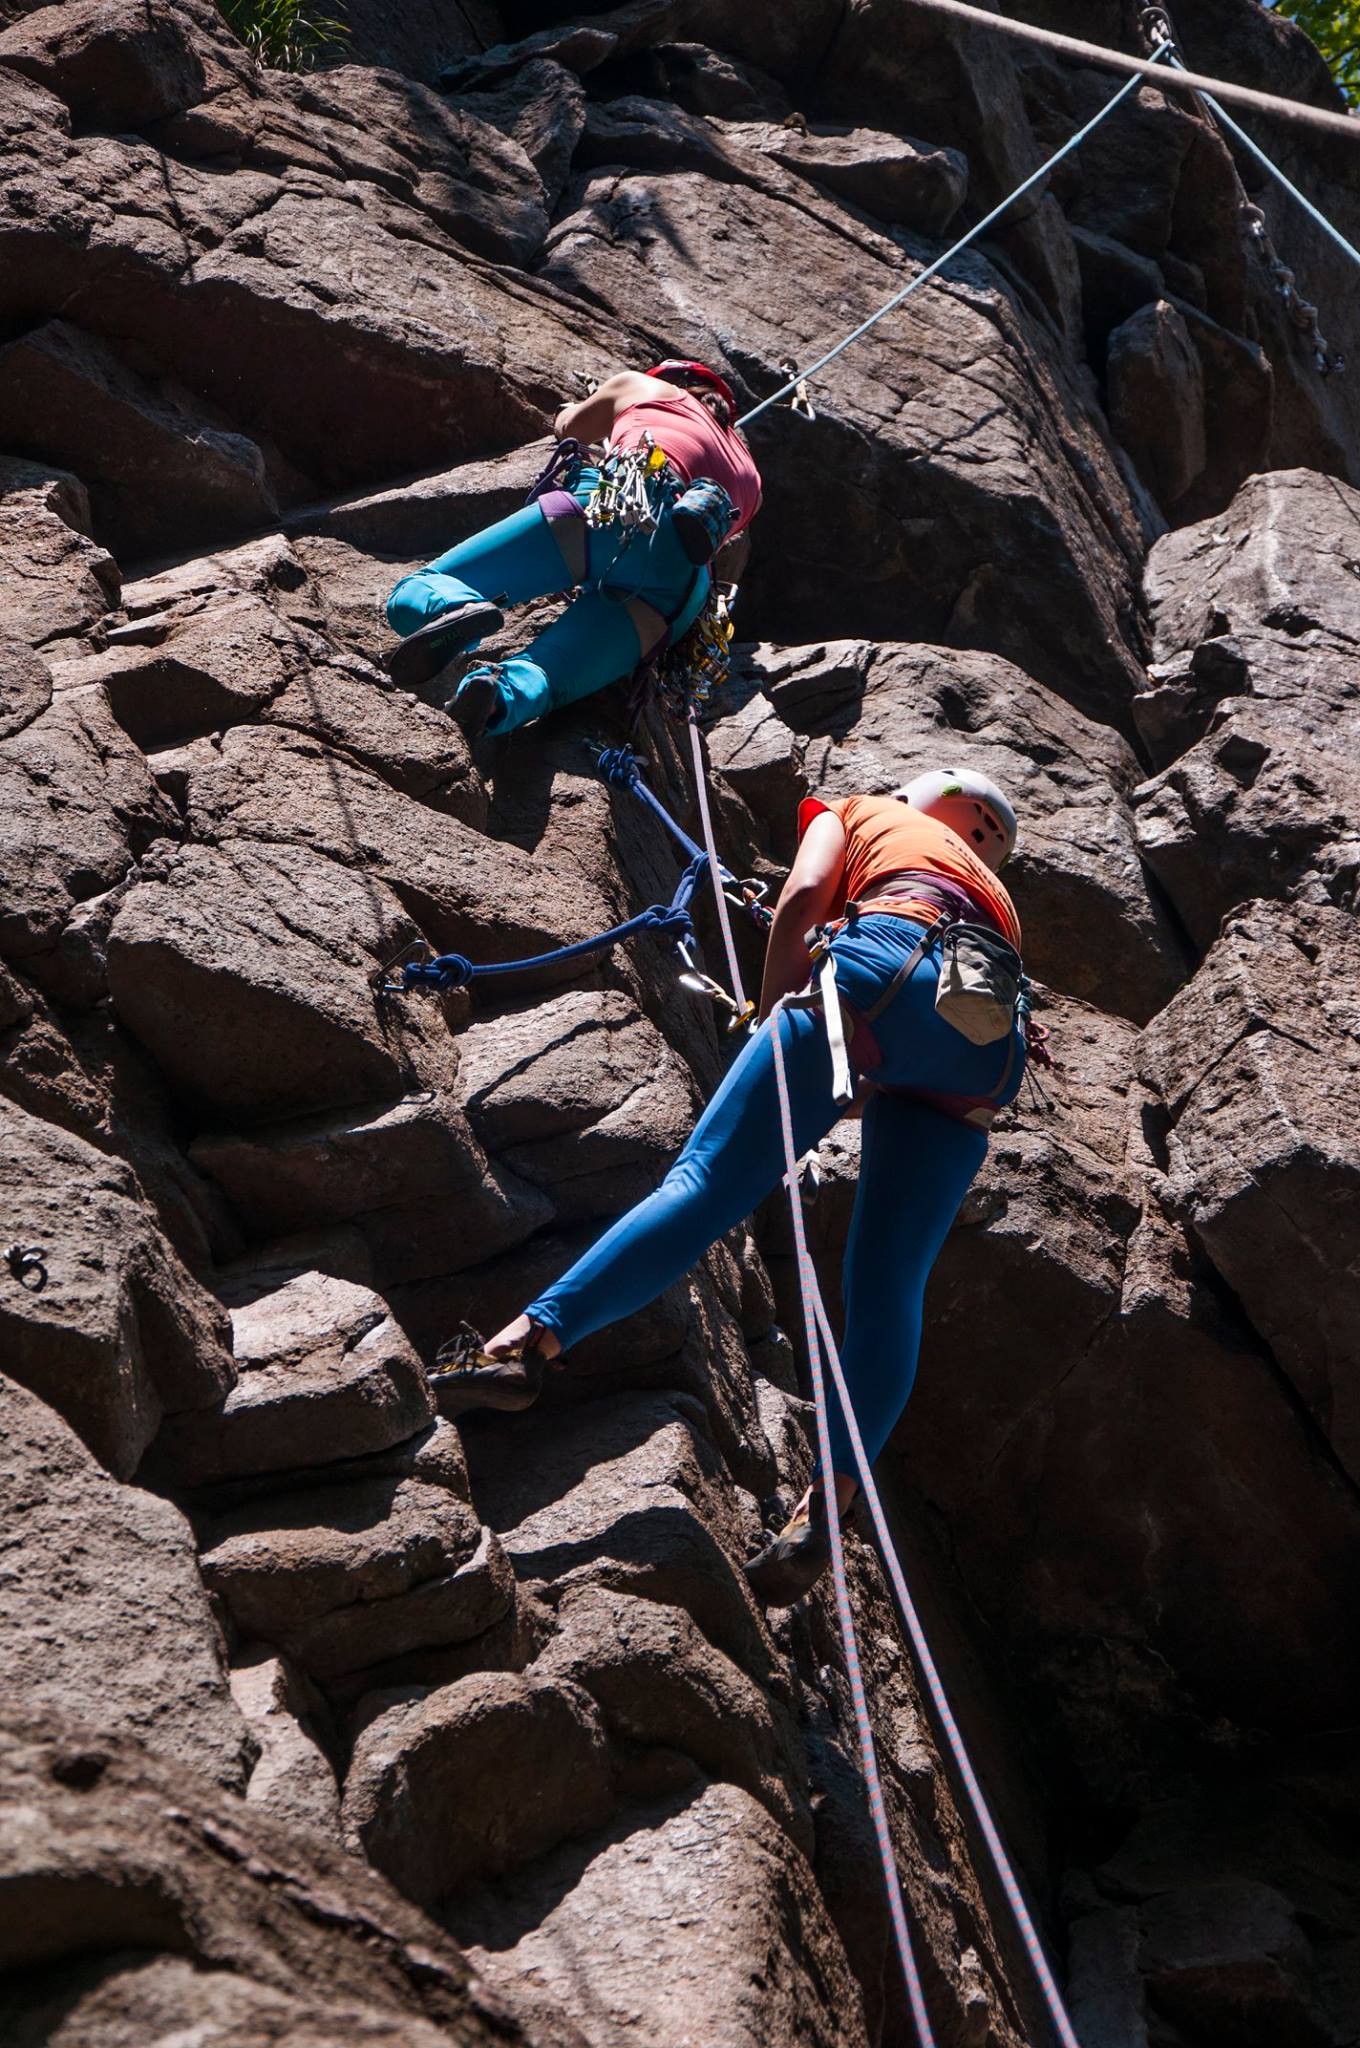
1334,25
288,34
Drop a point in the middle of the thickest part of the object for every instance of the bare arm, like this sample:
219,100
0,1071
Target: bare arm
591,419
805,900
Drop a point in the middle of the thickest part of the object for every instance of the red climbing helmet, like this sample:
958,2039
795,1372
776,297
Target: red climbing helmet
699,373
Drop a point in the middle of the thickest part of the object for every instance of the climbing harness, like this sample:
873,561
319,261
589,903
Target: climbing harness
1157,25
802,378
28,1265
821,1346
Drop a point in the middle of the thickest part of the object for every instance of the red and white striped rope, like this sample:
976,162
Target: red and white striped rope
821,1343
715,870
873,1783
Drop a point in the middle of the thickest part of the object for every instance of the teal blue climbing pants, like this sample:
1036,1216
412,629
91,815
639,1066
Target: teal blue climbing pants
632,587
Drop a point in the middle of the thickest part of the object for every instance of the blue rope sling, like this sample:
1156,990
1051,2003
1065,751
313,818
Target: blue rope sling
618,768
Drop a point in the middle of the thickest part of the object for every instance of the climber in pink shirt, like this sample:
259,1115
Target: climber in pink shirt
642,577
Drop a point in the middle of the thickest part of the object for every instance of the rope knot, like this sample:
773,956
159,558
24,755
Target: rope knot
618,767
445,972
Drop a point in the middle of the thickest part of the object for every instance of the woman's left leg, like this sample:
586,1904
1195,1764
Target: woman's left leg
916,1165
731,1162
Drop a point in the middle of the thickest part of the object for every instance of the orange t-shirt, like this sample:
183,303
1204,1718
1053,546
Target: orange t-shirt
884,836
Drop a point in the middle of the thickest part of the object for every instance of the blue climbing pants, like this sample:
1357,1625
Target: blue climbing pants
632,586
916,1165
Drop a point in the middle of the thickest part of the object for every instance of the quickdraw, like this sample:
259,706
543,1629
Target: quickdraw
800,399
633,487
686,673
741,1015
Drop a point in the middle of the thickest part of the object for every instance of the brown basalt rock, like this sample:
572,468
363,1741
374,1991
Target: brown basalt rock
892,177
161,472
660,1685
377,128
446,874
580,1097
564,1514
244,1008
320,1362
77,807
1258,1062
475,1780
78,1069
410,1176
1156,397
292,1777
121,1333
25,687
1256,618
340,1576
708,81
542,108
116,67
626,1905
277,1923
213,669
104,1616
215,281
54,578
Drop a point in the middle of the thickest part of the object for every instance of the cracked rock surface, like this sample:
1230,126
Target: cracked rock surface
327,1716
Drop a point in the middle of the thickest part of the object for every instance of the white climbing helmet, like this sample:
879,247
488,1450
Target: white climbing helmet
971,805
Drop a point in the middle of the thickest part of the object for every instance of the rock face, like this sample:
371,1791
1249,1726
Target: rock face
329,1716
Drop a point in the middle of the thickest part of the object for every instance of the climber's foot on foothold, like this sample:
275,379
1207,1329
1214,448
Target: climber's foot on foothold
470,1375
422,654
474,705
791,1565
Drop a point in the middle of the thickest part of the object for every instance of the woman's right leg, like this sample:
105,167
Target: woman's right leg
732,1160
916,1166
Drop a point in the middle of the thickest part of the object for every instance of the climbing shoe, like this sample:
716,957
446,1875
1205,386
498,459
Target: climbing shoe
423,653
467,1376
791,1565
475,703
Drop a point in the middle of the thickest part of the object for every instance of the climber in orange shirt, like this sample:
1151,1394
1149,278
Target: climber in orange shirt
886,871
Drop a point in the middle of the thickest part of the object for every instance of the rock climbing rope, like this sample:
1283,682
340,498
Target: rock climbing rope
746,1009
1157,26
821,1348
796,385
878,1810
415,968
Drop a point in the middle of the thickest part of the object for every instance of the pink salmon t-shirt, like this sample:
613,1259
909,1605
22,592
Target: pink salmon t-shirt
697,445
